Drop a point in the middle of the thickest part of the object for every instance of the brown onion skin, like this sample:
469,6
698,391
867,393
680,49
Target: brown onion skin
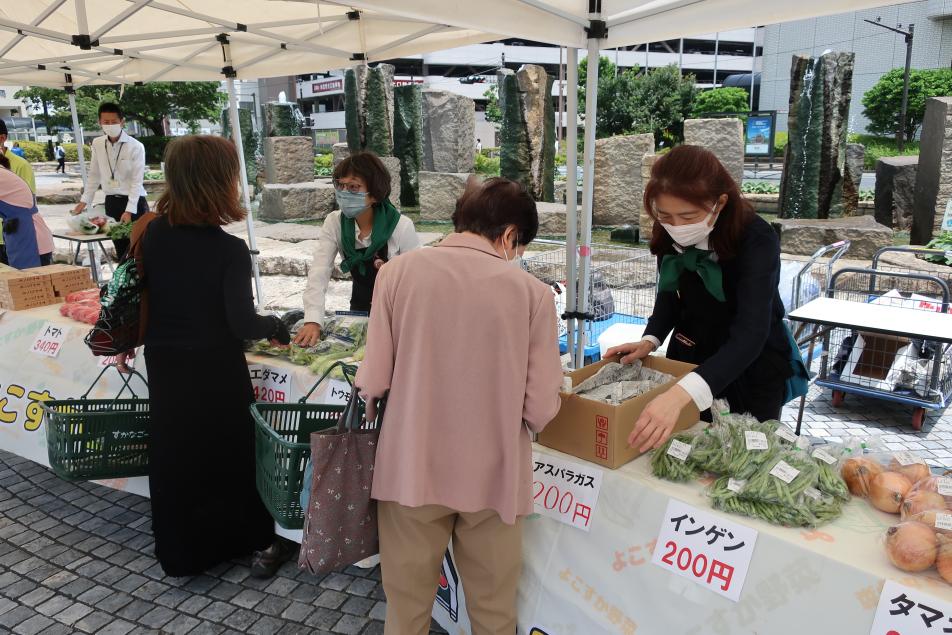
911,546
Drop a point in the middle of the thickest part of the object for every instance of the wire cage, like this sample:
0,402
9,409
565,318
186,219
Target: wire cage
897,368
621,286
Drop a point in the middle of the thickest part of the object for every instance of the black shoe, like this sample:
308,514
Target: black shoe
264,564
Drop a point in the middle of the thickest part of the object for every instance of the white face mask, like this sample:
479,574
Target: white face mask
688,235
112,129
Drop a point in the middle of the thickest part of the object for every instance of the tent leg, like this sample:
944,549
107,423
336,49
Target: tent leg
588,174
78,134
571,197
246,198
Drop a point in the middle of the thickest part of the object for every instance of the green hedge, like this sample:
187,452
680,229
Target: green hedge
780,143
154,148
323,164
36,151
487,166
879,147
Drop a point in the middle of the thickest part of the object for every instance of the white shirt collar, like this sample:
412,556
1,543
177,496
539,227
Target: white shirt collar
123,138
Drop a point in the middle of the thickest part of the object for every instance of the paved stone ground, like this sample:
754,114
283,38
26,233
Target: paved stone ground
78,558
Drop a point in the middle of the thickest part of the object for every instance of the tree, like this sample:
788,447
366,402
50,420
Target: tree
660,101
151,103
493,111
721,100
612,114
882,102
51,101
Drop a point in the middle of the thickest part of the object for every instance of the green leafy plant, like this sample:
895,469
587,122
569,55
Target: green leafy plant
153,175
867,195
944,242
759,187
493,111
879,147
35,151
780,143
487,166
721,100
882,102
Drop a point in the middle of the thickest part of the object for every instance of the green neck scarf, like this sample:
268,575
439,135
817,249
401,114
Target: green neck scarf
693,259
386,217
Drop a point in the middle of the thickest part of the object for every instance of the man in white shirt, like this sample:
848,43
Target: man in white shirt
117,165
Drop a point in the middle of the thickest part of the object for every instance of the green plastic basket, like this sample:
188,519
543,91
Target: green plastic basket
89,439
283,447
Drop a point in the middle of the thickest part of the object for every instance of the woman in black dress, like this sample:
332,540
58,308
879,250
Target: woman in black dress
205,508
719,268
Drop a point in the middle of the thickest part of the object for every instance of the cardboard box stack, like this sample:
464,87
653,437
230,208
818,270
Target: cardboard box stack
598,432
65,278
20,290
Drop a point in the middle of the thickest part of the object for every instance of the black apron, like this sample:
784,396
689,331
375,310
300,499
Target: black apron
362,290
703,326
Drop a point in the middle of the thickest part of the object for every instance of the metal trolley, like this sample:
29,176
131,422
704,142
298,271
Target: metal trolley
898,368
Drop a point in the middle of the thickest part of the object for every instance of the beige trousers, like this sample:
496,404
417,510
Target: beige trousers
487,552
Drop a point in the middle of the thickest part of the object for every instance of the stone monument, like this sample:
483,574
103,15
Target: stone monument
723,137
408,140
618,178
896,191
645,221
439,192
368,108
340,151
449,130
933,198
852,177
288,159
814,162
249,141
527,136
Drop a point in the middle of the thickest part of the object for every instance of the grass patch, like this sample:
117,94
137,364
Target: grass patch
879,147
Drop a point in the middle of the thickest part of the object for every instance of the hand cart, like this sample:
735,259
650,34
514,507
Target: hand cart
887,333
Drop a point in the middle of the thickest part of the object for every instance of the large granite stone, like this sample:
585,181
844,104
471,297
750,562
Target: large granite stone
368,108
852,176
340,152
408,139
535,87
289,232
393,167
934,175
815,159
449,124
723,137
296,201
551,219
803,236
645,221
895,191
618,180
288,159
439,192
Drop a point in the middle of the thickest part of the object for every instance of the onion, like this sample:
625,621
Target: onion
914,472
911,546
858,472
918,501
887,491
943,561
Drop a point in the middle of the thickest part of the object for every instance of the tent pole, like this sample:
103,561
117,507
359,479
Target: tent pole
78,134
571,196
236,137
588,175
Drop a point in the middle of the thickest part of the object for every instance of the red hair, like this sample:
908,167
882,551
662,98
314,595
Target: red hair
696,175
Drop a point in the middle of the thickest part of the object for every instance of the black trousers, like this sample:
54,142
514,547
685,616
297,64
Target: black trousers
115,208
62,165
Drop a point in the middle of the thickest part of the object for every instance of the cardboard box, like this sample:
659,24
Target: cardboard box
64,279
21,290
598,432
878,355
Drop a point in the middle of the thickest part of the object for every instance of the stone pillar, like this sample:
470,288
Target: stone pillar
449,125
249,141
723,137
814,162
296,201
852,177
288,159
934,175
439,192
368,108
896,191
527,136
283,119
393,167
645,222
341,151
618,178
408,140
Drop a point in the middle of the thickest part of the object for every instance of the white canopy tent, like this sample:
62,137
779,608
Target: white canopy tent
49,42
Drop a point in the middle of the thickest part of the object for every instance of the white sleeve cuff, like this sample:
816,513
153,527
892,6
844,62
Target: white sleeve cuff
700,392
654,340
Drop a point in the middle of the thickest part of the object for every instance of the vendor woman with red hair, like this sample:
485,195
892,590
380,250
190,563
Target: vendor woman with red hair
719,268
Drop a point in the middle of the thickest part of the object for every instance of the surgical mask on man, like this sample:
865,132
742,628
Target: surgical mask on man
112,129
689,235
352,204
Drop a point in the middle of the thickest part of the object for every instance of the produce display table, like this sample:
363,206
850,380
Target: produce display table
90,241
603,581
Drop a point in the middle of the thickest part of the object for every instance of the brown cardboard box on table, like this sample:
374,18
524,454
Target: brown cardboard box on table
20,290
65,279
598,432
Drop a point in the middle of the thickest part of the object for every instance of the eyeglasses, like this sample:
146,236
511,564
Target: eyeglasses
353,188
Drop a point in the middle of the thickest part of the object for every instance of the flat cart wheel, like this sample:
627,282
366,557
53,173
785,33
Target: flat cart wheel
838,397
918,417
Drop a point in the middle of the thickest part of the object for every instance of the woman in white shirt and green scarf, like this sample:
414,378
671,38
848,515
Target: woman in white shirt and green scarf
366,231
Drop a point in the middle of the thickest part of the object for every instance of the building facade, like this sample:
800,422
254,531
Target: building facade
877,49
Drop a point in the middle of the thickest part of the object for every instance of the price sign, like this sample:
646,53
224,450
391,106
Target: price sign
910,612
50,340
711,551
564,490
111,359
271,385
339,393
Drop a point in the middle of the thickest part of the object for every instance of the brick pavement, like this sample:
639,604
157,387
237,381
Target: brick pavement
77,558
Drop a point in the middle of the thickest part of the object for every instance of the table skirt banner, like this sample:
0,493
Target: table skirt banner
603,581
28,377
